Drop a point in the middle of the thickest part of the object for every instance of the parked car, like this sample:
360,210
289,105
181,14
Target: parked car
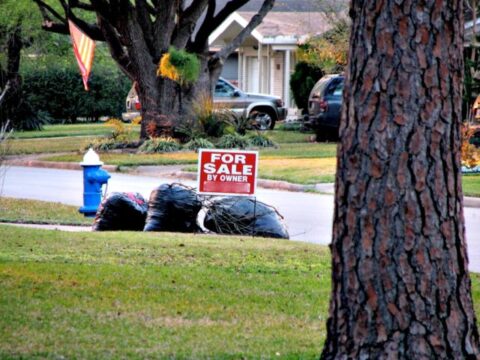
264,110
325,105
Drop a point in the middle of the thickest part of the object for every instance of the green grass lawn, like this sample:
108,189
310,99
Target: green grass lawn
145,295
47,145
48,131
158,295
40,212
471,185
286,137
301,151
134,159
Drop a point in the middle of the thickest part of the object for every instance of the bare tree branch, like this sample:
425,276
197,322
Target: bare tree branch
188,21
116,47
240,38
92,30
4,91
212,22
165,24
46,9
80,5
145,22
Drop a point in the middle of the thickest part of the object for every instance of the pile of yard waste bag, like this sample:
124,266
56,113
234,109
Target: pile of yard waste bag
178,208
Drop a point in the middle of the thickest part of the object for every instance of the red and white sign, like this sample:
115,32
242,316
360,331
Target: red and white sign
227,172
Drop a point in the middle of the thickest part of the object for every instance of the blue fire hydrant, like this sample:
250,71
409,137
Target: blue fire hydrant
93,180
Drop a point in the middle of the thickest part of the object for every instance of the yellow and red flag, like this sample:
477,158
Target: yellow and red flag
84,49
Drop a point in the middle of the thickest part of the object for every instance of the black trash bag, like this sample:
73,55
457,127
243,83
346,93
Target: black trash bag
121,211
240,216
173,207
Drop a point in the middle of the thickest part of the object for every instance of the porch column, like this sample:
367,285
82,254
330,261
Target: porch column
269,71
286,85
244,72
240,69
260,68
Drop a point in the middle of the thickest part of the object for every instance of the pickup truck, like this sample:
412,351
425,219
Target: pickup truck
264,110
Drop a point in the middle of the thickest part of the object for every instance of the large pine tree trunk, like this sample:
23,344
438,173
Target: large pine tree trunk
401,287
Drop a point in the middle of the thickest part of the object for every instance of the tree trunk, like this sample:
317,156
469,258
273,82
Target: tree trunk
13,96
158,107
401,287
166,105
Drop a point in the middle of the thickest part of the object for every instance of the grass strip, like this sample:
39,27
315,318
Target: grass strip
40,212
139,295
47,145
64,130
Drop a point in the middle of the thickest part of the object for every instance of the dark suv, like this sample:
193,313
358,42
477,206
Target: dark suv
264,110
325,105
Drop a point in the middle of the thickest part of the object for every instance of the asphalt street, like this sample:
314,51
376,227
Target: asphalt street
307,215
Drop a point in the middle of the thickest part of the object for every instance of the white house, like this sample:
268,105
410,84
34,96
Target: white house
267,58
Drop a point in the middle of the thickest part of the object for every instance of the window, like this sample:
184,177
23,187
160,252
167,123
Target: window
222,89
338,90
335,88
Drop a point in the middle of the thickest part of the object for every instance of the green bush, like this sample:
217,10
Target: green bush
198,143
302,82
102,144
233,141
186,64
160,145
58,91
290,126
259,140
239,122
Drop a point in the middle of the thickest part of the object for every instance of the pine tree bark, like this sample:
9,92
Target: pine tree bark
401,287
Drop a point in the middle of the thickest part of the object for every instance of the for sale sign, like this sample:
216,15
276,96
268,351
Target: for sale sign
231,172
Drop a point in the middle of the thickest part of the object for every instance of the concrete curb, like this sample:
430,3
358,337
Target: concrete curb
68,228
54,165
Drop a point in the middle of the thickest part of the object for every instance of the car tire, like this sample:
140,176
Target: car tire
263,119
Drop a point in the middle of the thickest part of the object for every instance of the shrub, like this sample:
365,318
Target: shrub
290,126
58,91
470,154
160,145
198,143
259,140
179,66
239,122
233,141
137,120
302,82
210,119
102,144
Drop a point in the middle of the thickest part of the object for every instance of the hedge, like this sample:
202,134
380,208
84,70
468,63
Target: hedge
59,92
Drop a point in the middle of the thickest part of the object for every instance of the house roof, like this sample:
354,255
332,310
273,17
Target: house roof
277,28
296,24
